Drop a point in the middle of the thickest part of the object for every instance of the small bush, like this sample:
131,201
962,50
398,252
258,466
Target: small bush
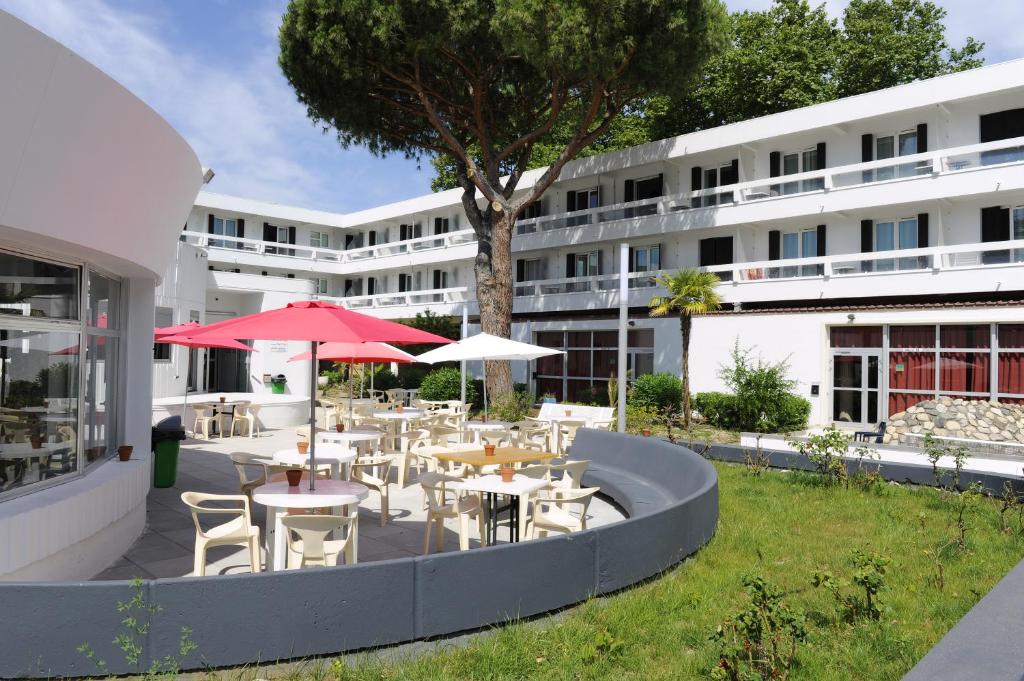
718,409
512,407
638,418
661,391
826,452
592,397
443,384
383,379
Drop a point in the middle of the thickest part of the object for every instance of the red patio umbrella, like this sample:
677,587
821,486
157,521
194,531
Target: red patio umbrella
176,329
317,322
184,341
357,353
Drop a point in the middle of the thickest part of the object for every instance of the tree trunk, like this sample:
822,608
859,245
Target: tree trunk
493,269
685,322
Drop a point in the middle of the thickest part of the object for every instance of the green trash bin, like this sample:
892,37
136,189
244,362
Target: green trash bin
277,384
167,437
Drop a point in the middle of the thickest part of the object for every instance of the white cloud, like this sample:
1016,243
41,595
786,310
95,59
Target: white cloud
244,121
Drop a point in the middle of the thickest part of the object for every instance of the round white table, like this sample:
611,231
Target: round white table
556,429
278,497
355,437
480,426
334,454
400,421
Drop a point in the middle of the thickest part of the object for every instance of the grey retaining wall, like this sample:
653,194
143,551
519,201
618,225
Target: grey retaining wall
669,493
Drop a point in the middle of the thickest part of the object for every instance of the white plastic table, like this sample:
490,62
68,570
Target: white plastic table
479,426
335,454
556,429
356,438
519,491
278,497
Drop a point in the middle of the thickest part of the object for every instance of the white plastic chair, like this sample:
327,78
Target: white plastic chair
312,546
551,511
247,416
572,473
498,438
237,531
439,508
374,472
407,456
252,471
533,436
202,420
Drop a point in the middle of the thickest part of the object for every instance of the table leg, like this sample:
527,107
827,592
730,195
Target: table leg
523,503
277,551
335,470
556,436
513,518
492,518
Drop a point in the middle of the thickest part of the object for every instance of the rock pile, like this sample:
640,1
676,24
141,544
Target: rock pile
949,417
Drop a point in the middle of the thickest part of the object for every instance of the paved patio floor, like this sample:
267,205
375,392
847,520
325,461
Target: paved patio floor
166,547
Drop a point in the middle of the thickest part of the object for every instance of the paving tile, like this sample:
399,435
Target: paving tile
130,571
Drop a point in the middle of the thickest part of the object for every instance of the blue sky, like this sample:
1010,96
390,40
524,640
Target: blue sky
210,68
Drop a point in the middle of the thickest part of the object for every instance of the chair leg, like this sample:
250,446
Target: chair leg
426,535
439,539
463,532
199,565
384,515
254,553
402,463
481,525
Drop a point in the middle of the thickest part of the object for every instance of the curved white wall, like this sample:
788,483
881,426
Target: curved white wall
91,175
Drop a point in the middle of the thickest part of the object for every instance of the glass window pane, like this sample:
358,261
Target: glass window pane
550,339
606,363
104,302
1011,335
912,336
846,406
964,371
35,288
847,371
912,370
790,164
606,339
655,260
1011,373
549,386
965,335
908,143
550,366
872,415
810,160
38,406
578,363
856,336
908,233
883,148
643,363
99,414
579,339
641,338
884,236
901,401
809,243
1018,223
790,245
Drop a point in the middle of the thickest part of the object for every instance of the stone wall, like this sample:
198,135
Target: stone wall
958,418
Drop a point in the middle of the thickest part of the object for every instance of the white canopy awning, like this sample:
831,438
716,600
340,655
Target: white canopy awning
484,346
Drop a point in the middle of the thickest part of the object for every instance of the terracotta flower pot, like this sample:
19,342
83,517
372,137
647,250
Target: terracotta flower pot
489,450
340,427
399,409
302,446
223,399
294,476
568,412
37,442
124,452
647,432
507,473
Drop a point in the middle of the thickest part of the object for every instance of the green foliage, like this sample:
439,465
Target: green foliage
639,418
792,55
446,326
512,407
864,477
763,402
963,504
443,384
661,392
826,451
935,450
760,641
383,379
869,578
592,397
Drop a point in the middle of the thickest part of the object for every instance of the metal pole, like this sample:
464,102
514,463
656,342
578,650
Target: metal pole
623,331
312,418
465,330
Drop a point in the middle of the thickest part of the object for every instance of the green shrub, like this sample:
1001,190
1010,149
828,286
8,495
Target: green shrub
638,418
383,379
512,407
718,409
593,397
443,384
790,413
663,392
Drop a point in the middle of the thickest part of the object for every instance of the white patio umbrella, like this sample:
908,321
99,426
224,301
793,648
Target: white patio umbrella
484,346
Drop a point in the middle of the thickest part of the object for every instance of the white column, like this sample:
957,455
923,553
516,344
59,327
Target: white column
623,331
462,364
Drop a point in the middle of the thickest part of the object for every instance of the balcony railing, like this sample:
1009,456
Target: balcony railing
900,169
435,296
592,284
310,253
961,256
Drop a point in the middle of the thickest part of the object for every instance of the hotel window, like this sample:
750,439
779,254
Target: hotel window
723,175
440,279
889,146
534,269
640,189
320,286
792,163
582,199
405,282
716,251
891,235
645,259
533,210
591,359
406,232
225,227
278,235
800,244
319,239
441,225
164,317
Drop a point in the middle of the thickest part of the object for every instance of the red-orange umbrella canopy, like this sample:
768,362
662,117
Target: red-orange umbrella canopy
188,342
357,353
315,320
176,329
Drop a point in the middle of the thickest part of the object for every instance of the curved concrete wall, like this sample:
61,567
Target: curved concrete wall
670,493
87,170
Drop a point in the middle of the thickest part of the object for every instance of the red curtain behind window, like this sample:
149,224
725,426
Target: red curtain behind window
1011,335
965,336
912,370
856,336
912,337
1011,373
964,371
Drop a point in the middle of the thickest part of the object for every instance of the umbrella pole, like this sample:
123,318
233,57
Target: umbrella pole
351,366
373,370
312,419
184,398
483,362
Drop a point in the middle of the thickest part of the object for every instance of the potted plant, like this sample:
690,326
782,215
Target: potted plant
548,398
646,432
507,473
294,476
36,441
302,446
399,408
223,399
340,427
568,412
124,452
488,450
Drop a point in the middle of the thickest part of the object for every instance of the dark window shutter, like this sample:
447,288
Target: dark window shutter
723,250
734,172
437,278
995,224
922,230
922,138
661,184
520,270
696,176
630,190
570,265
707,252
775,164
291,235
1002,125
401,283
438,226
630,262
371,238
821,156
774,244
821,241
600,262
867,234
570,201
269,232
241,228
867,147
209,223
417,230
401,232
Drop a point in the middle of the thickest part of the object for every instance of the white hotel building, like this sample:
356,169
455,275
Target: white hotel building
876,242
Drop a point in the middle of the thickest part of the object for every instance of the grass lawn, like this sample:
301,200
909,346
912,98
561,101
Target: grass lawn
782,526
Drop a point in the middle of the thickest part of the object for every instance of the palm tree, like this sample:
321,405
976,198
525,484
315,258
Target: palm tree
690,292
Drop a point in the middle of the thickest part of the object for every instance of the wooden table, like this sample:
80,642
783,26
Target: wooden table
502,456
